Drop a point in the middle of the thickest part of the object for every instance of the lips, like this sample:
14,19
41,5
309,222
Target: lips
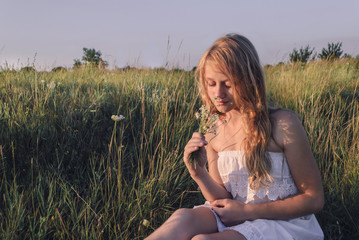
220,102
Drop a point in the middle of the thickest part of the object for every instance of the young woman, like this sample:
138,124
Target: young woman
262,180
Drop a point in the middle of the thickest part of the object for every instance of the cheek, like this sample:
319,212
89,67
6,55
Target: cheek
210,92
230,92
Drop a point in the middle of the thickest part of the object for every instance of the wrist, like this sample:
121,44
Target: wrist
250,212
199,173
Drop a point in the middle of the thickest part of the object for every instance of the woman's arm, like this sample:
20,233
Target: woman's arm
290,135
210,181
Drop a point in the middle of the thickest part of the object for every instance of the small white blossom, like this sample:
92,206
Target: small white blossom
117,118
42,81
207,120
207,124
145,223
51,85
197,115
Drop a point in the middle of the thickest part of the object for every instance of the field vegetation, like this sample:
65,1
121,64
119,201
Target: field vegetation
68,171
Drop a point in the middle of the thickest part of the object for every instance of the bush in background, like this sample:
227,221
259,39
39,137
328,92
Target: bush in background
91,57
334,51
59,69
303,55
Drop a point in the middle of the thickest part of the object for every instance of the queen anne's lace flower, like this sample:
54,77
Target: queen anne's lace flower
51,85
207,124
117,118
207,120
145,223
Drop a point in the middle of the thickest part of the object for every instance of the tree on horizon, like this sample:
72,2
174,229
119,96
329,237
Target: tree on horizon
91,57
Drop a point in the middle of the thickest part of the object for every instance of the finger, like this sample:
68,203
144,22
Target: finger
218,211
197,143
198,139
217,203
189,150
197,135
194,146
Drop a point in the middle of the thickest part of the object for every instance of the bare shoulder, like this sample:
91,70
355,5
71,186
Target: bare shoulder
286,127
283,116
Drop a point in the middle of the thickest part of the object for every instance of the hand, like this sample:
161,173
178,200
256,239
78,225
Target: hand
231,212
196,143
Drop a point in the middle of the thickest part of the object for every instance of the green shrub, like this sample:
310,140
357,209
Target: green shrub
334,51
59,69
303,55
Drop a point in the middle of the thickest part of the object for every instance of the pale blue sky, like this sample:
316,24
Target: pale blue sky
136,32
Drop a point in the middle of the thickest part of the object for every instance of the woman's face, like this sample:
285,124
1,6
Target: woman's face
219,88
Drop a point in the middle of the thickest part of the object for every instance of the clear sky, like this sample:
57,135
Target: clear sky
151,33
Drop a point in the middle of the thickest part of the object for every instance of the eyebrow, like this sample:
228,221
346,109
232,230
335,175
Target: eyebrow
211,79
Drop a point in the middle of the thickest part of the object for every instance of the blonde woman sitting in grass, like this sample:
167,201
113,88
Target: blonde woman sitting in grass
262,180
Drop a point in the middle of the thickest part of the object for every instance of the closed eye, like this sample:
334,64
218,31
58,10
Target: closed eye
211,83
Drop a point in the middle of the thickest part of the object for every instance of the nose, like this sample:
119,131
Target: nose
220,91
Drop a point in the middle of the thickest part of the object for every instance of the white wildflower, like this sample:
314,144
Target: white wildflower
197,115
207,120
145,223
117,118
51,85
207,124
42,81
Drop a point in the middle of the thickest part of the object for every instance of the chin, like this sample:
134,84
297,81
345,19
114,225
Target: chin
224,109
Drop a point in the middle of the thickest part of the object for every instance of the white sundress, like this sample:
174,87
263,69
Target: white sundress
234,174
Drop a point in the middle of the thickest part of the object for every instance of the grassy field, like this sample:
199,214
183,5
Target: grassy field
70,172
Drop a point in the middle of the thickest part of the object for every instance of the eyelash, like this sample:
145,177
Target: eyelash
213,84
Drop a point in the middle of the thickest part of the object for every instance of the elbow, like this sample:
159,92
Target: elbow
322,202
317,202
319,205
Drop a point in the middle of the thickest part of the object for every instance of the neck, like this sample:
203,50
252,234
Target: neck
234,115
233,119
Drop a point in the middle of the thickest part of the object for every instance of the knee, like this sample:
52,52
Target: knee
186,217
184,214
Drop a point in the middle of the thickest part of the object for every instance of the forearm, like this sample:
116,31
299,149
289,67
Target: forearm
210,189
291,207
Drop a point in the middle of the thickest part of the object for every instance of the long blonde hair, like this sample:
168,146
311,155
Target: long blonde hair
236,57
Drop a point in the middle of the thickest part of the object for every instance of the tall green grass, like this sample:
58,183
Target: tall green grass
325,95
70,172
